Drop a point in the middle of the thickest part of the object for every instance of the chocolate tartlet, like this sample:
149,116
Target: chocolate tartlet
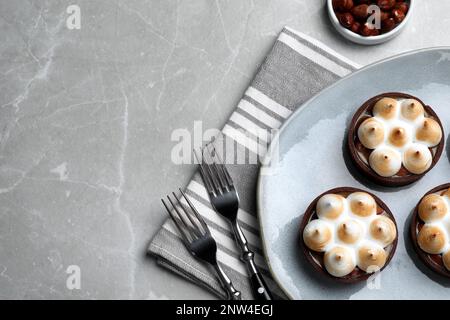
348,234
395,139
430,229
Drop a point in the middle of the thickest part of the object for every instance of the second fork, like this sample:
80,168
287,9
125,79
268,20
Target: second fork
225,200
197,238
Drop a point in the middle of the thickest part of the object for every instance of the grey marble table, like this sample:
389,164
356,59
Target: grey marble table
86,117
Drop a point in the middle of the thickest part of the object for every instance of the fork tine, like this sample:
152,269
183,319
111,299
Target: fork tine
206,177
213,171
196,229
183,220
225,171
197,214
184,235
218,172
220,167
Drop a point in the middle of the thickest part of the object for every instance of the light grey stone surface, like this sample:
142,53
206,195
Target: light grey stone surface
86,118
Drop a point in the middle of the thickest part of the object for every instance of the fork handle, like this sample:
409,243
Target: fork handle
259,286
232,293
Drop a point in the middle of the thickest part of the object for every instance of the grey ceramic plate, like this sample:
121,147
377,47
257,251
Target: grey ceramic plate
312,159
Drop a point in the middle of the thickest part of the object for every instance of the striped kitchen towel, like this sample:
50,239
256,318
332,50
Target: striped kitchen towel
297,68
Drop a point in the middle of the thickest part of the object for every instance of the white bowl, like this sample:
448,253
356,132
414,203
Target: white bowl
354,37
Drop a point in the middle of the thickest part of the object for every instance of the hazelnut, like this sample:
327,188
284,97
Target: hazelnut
403,6
342,5
386,4
388,25
384,15
360,11
375,32
355,27
398,15
337,5
346,19
365,30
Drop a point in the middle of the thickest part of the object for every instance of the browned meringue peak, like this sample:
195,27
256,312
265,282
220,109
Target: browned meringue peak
317,235
383,229
385,108
412,109
371,257
447,193
429,132
386,162
339,261
371,133
330,206
362,204
446,260
432,239
349,231
432,208
398,136
417,158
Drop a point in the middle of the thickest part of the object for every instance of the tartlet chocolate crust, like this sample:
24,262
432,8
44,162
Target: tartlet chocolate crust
432,261
316,258
352,137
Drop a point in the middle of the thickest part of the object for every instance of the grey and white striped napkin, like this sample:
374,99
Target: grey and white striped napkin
297,68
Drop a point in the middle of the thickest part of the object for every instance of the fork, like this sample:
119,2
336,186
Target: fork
225,200
197,238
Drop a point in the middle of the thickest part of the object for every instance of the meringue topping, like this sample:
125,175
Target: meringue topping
339,261
385,161
330,206
429,132
349,231
432,207
362,204
446,260
371,133
412,109
432,239
434,234
371,257
343,225
383,230
447,193
317,235
386,108
397,125
417,158
399,136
